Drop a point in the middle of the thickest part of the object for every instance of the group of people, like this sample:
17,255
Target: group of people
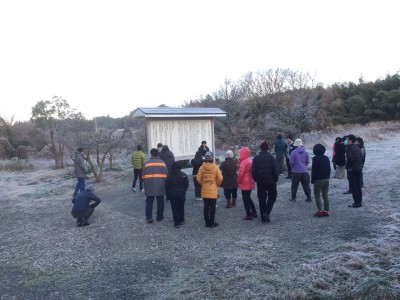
161,176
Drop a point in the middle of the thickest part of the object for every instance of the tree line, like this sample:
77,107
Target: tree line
259,106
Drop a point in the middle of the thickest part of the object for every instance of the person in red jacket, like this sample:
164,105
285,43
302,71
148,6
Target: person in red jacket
246,182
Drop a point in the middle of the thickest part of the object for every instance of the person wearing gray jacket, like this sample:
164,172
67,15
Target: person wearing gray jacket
79,171
155,175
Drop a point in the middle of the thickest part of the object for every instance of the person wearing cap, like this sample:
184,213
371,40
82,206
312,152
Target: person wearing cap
176,186
229,168
299,161
320,174
280,150
155,174
265,173
210,178
246,182
203,148
138,161
79,171
83,209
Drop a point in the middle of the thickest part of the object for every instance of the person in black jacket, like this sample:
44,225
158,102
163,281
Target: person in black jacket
82,209
320,174
265,173
176,185
354,165
196,163
203,148
167,156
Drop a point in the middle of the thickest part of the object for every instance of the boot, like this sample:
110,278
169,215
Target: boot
233,202
228,203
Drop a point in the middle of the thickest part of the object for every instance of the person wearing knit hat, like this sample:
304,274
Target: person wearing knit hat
229,169
265,173
82,209
264,146
299,161
210,178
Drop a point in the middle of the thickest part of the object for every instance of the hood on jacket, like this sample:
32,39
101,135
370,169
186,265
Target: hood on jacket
244,153
300,149
165,148
208,166
319,149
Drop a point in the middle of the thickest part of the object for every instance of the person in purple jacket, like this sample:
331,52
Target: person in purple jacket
299,160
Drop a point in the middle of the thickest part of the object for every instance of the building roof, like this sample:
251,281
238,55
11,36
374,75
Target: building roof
169,112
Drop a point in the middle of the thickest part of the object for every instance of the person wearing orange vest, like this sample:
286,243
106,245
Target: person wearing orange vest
154,177
210,178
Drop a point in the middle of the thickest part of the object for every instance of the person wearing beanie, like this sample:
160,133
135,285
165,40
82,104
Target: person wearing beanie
138,160
196,163
203,148
79,171
280,150
265,173
82,209
155,174
246,182
320,174
210,178
176,186
354,164
229,168
299,161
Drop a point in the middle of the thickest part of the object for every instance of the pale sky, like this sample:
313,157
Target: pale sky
107,57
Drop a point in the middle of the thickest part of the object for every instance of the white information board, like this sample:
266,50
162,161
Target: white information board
183,137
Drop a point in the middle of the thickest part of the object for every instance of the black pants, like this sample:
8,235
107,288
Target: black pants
350,179
266,194
209,210
248,203
230,193
289,169
84,217
137,173
304,179
356,176
197,187
178,206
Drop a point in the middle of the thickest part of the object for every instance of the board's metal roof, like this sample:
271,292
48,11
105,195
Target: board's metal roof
168,112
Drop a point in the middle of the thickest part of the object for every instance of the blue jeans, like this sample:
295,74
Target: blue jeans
149,207
80,186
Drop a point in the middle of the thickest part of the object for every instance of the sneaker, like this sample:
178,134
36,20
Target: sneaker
134,189
292,199
308,200
347,192
142,190
319,214
354,205
265,218
83,224
213,225
254,215
325,213
149,220
160,219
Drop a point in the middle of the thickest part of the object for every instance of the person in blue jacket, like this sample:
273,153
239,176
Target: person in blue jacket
82,209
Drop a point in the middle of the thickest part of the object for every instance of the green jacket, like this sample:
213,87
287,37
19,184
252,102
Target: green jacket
138,159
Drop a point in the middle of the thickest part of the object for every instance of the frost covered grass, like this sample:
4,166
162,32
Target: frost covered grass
353,254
